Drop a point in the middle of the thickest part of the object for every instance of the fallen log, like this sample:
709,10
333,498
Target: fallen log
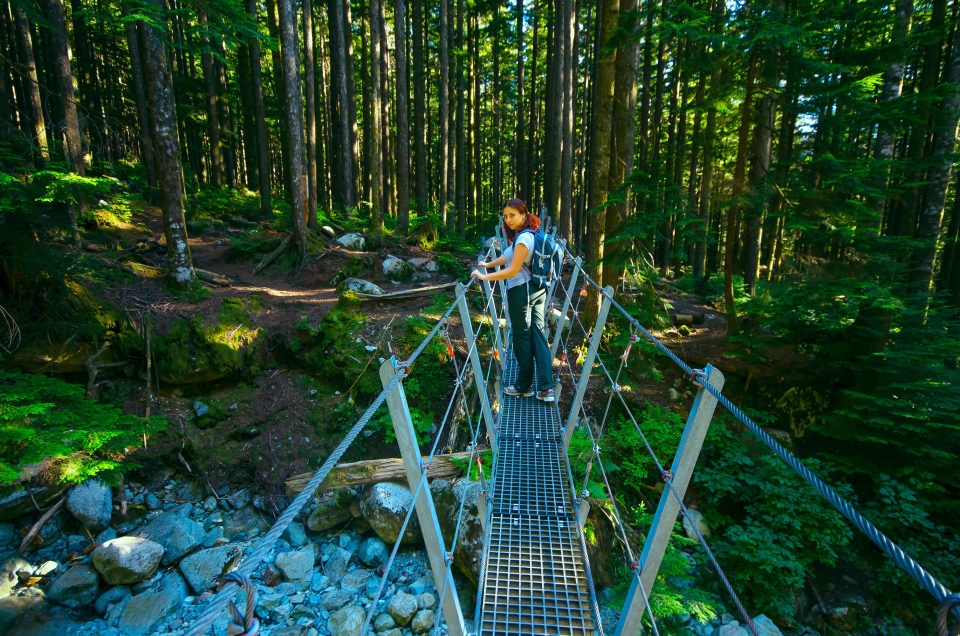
376,470
272,256
406,293
212,277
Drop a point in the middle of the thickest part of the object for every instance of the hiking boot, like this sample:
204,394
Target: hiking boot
509,390
546,396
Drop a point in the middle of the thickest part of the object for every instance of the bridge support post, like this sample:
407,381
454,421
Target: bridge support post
495,318
577,264
426,513
475,361
587,366
659,536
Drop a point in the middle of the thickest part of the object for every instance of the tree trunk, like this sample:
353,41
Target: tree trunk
386,150
624,121
739,172
759,168
309,87
419,109
367,159
344,160
31,85
163,116
443,159
532,154
403,126
520,162
931,214
293,104
213,123
565,221
710,140
260,115
600,165
886,128
376,177
461,167
139,94
73,145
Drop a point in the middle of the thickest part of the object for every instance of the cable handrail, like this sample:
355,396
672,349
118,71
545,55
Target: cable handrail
926,580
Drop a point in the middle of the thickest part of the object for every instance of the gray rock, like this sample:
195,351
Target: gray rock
295,535
422,622
842,618
332,510
447,498
385,507
90,504
347,621
183,540
115,611
143,613
373,552
360,286
293,630
110,597
352,241
190,491
696,517
383,623
152,502
105,536
392,632
246,520
76,588
46,568
127,560
336,567
319,582
8,574
19,502
700,628
203,568
402,607
22,604
8,534
335,599
297,566
211,537
766,626
210,504
426,600
328,231
396,269
354,581
731,629
240,499
161,529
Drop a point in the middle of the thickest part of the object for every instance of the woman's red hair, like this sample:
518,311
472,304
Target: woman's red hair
532,222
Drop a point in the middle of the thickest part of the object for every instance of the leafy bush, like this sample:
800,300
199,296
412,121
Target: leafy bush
48,429
211,202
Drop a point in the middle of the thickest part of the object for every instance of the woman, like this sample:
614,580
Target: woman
525,302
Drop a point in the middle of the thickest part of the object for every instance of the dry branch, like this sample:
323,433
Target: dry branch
272,256
212,277
39,524
377,470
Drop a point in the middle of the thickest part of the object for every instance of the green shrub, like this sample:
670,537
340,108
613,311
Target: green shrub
50,430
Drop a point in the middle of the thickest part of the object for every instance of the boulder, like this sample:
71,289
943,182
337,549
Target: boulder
347,621
246,521
396,269
431,266
696,517
90,504
295,535
373,552
161,530
359,286
385,506
469,549
336,567
183,540
8,574
765,626
143,613
202,569
24,603
76,588
111,597
402,608
354,581
422,622
328,231
297,566
332,510
127,560
352,241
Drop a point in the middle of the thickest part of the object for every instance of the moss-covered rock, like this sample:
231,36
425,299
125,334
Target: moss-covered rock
203,349
332,350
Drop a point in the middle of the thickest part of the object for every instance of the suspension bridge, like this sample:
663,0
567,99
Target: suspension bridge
535,572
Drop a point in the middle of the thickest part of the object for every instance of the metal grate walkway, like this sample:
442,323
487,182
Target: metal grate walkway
535,579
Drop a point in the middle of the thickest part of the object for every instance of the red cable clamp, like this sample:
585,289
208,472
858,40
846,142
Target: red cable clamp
449,348
634,565
496,354
424,465
584,291
563,357
696,373
667,475
626,352
449,558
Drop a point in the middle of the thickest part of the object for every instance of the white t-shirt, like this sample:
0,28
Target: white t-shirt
526,239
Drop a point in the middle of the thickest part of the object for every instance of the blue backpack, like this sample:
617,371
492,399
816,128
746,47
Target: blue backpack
547,258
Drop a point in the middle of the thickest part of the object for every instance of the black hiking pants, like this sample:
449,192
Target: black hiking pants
526,305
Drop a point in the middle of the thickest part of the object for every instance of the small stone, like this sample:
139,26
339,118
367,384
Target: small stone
383,623
202,569
336,567
335,599
210,503
355,580
426,600
373,552
152,502
297,566
110,597
422,622
319,582
352,241
295,534
347,621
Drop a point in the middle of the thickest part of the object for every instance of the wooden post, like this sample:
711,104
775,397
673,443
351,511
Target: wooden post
475,361
587,366
426,513
659,536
